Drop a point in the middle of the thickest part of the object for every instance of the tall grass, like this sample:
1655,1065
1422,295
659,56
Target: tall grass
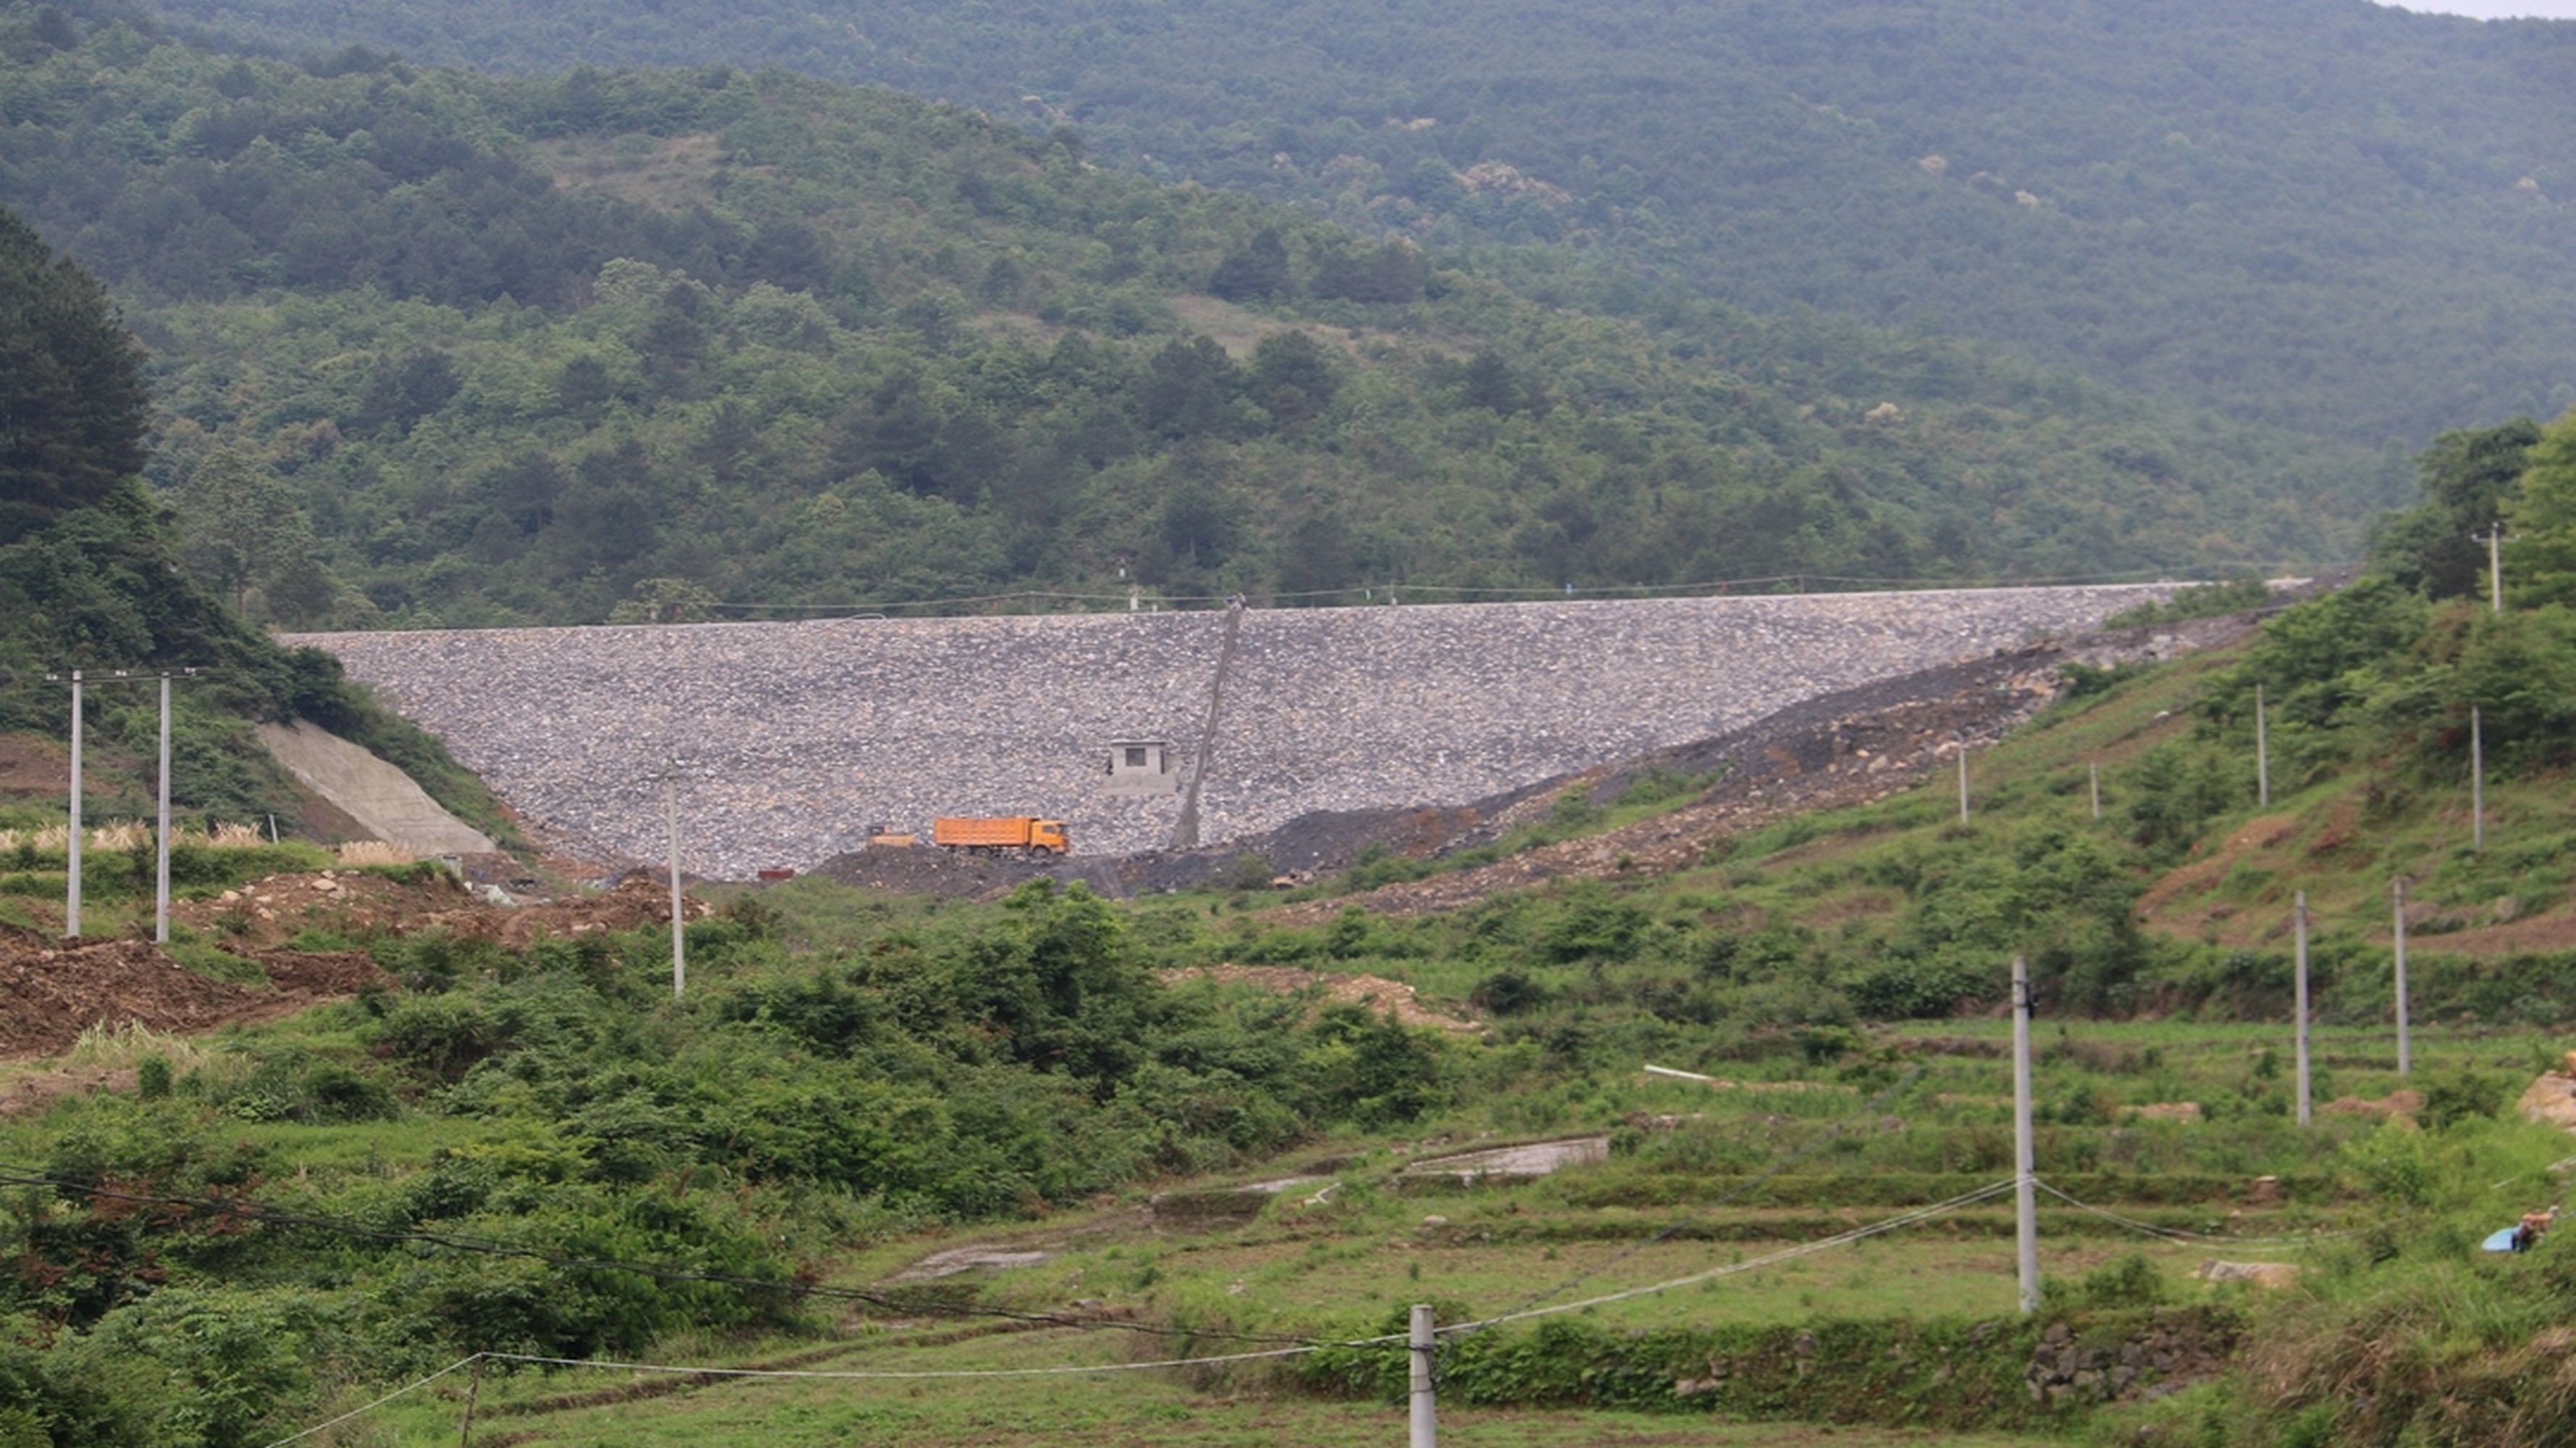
134,834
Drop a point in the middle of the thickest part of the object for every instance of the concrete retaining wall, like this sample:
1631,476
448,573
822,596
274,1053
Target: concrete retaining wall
804,734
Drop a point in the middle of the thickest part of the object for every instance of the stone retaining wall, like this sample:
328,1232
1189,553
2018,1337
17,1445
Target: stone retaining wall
799,736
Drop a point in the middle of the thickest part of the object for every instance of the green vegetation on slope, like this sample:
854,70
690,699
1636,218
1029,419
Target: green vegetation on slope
439,349
537,1150
88,579
2324,213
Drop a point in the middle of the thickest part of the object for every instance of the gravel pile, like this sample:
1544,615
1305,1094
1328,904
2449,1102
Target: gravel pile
795,738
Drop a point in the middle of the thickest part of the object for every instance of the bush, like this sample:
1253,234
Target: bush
1508,993
1917,989
1250,872
2462,1095
295,1085
442,1036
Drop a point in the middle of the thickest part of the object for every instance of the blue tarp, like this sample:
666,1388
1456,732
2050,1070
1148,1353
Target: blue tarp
2500,1240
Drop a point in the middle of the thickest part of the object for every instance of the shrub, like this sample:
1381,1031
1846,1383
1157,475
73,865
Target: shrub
295,1085
441,1035
2460,1095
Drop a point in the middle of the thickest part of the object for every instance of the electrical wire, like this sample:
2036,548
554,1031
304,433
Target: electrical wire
1804,1249
2185,1235
221,1209
1870,1108
914,1374
380,1402
1299,1347
1537,593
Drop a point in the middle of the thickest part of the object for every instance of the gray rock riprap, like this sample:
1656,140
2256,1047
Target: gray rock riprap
799,736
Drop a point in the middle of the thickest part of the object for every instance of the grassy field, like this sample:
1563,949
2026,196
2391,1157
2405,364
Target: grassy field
1668,1205
1153,1409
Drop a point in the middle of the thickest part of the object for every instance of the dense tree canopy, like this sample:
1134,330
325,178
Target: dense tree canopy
622,344
72,401
2540,568
2466,477
2325,213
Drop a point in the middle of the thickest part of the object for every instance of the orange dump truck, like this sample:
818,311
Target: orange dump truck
1024,834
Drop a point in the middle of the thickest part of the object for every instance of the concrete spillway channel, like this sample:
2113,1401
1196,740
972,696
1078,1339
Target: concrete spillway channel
1185,835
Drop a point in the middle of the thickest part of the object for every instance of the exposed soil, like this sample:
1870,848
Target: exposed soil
267,913
925,869
29,768
52,994
52,990
1374,992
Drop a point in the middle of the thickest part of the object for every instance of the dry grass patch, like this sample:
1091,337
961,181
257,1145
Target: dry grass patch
669,174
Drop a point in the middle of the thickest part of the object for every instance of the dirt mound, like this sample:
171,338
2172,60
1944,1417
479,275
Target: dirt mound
323,974
2550,1099
1374,992
33,769
637,901
49,996
50,992
269,912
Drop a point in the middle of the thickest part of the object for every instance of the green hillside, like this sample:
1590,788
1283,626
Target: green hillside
533,1158
2329,214
89,581
435,348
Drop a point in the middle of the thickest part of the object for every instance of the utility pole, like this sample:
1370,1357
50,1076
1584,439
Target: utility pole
2477,779
2097,789
2306,1114
161,831
679,926
72,846
2262,753
1425,1418
2025,1180
2397,889
1963,781
668,776
161,823
2495,565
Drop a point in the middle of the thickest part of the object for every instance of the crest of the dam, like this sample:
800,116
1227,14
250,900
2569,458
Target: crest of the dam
1139,730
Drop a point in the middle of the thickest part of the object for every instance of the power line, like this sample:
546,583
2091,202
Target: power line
2184,1235
1298,1347
1840,1239
1752,586
921,1374
1815,1144
462,1362
230,1209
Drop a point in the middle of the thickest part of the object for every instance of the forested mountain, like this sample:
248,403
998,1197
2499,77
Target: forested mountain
2328,214
87,579
432,347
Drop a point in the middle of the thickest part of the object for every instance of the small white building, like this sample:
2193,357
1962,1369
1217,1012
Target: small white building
1142,767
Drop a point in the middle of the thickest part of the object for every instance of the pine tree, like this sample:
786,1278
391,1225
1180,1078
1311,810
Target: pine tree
72,400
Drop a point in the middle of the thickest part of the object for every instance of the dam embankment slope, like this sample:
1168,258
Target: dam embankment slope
797,737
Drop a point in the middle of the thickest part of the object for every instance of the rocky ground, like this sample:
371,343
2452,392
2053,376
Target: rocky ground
1842,748
791,740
